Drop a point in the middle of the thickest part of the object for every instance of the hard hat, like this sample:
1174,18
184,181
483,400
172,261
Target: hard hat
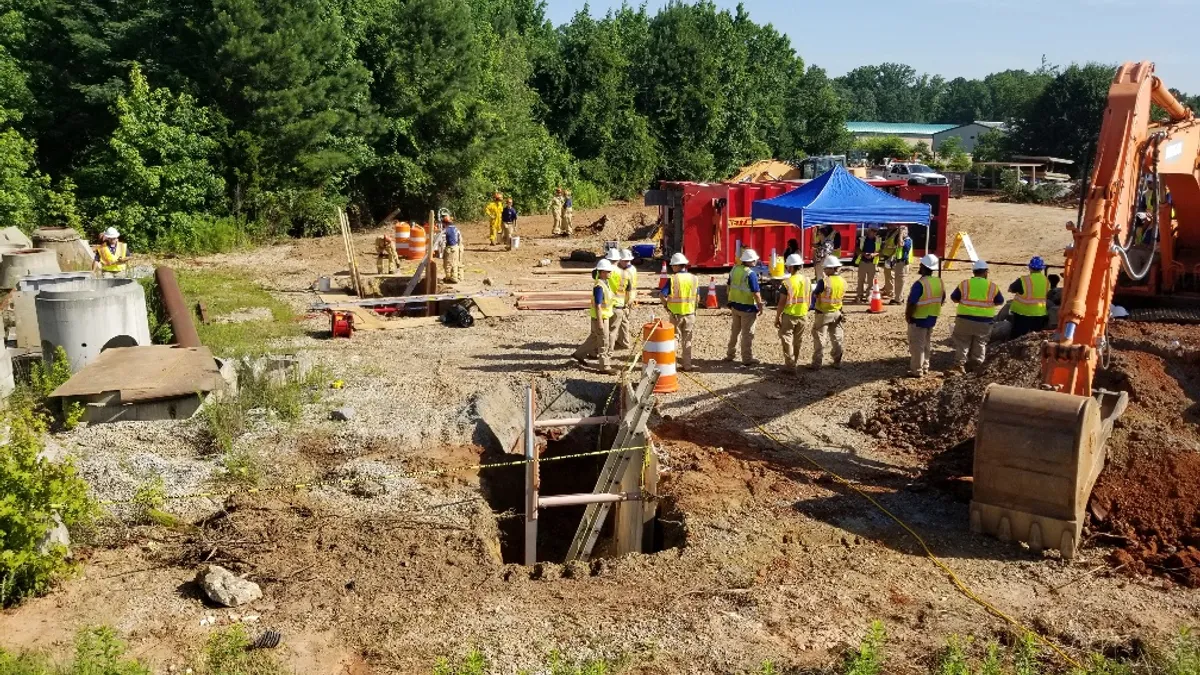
1143,216
979,266
613,255
748,255
794,260
1037,264
930,260
679,259
111,233
604,266
497,196
446,218
626,254
832,261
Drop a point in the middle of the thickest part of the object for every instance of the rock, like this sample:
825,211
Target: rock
57,535
857,420
225,588
487,281
342,415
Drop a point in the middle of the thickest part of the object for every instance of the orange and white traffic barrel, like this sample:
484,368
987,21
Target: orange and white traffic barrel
659,346
401,231
416,243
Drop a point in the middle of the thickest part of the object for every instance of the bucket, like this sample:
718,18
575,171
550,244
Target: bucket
516,243
643,250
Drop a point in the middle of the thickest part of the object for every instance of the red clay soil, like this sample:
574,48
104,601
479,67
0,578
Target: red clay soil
1147,500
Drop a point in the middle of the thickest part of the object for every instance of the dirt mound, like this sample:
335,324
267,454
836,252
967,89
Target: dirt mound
1147,500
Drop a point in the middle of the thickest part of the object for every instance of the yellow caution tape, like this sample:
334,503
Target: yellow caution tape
954,578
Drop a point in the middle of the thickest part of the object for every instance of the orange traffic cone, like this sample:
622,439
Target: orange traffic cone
876,300
662,274
710,299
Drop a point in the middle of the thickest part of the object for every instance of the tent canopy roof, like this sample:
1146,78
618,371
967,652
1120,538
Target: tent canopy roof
838,197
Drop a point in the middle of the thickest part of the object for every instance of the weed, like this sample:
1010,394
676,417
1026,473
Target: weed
227,652
223,420
558,665
242,466
44,378
148,502
991,661
767,668
953,660
1025,661
1184,658
98,651
473,663
868,659
225,292
156,313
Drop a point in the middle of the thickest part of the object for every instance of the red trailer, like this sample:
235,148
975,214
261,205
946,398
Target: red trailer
708,221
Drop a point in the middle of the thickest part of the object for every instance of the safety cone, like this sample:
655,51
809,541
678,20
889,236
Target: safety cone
876,300
662,274
710,299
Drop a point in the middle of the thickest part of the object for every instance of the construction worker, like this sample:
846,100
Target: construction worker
494,211
745,301
386,259
828,294
556,208
601,310
681,295
112,255
978,301
1142,230
619,281
568,213
508,220
452,251
826,242
792,312
896,255
864,258
1028,309
925,301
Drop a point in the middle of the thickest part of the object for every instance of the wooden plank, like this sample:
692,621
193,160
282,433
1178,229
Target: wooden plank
492,307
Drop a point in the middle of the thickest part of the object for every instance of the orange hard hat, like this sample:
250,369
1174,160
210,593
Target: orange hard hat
497,196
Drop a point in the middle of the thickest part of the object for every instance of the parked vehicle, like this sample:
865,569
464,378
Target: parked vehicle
915,174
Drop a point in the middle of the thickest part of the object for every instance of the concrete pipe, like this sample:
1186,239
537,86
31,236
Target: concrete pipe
89,316
73,252
24,310
11,236
7,383
26,262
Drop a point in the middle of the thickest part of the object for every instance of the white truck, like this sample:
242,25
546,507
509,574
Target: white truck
915,174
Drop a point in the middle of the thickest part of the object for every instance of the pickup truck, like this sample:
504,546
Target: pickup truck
915,174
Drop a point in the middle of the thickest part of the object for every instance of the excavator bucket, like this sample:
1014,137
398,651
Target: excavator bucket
1037,456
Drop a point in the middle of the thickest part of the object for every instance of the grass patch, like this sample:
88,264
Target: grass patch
475,663
98,651
224,292
227,653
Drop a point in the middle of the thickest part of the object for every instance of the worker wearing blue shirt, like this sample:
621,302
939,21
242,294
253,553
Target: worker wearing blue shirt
925,301
978,300
745,301
452,252
508,223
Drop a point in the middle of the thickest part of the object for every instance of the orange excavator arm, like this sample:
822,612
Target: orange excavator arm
1127,145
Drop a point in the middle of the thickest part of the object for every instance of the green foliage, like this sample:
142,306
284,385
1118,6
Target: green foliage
953,660
34,491
1017,192
474,663
44,379
98,651
991,146
223,420
1025,658
868,658
1064,121
227,653
226,292
156,314
880,148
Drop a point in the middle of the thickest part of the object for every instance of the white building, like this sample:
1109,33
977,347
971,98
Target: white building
968,133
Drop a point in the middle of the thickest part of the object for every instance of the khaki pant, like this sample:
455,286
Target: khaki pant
819,268
452,261
597,344
509,231
970,342
557,215
893,281
387,263
866,277
827,329
791,338
568,218
920,349
618,328
742,329
685,330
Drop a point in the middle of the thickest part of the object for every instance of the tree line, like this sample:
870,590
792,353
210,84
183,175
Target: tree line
190,124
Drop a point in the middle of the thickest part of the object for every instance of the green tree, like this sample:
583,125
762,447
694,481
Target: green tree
965,101
890,92
1012,92
816,116
884,147
1065,119
991,146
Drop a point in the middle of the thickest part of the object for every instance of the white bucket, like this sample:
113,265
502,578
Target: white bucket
516,243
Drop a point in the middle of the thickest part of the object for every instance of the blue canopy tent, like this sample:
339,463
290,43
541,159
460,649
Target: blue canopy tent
837,197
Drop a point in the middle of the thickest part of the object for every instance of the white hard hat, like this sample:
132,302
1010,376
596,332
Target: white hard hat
794,260
979,265
930,261
748,255
111,233
679,259
626,254
613,255
832,261
604,266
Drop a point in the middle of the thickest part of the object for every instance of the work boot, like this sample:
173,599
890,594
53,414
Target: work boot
579,359
751,363
728,358
837,365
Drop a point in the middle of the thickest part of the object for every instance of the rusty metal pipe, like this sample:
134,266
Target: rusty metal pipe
177,312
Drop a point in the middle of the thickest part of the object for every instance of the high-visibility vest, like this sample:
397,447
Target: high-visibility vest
739,286
830,299
893,248
797,295
605,310
1032,300
631,285
862,245
977,297
108,259
930,302
619,283
684,295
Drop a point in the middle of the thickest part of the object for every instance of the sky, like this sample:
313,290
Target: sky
971,38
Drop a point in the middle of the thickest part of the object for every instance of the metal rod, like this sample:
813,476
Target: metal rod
177,310
531,498
587,498
575,422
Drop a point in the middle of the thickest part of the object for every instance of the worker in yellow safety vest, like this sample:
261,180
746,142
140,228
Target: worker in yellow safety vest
828,294
601,311
495,213
681,295
112,255
826,242
623,282
745,304
978,300
896,256
865,257
925,301
1028,309
791,315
